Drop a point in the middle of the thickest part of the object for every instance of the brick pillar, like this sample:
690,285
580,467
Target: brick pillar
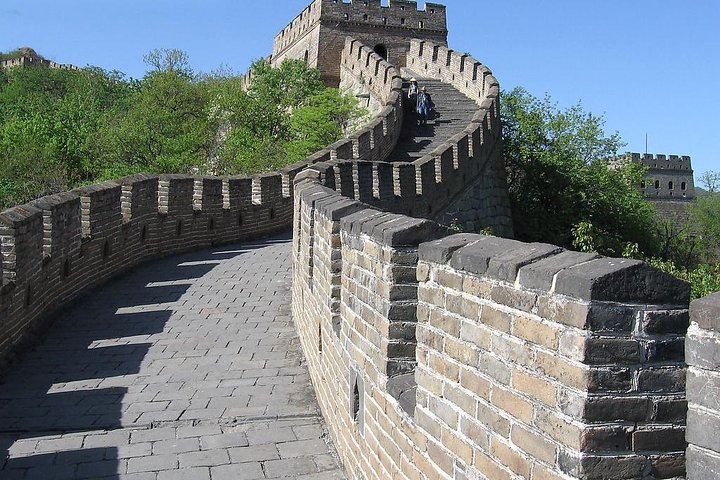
702,353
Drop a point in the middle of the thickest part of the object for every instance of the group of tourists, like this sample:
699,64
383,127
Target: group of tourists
422,100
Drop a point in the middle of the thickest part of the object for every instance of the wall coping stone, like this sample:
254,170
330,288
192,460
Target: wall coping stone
706,312
539,275
620,279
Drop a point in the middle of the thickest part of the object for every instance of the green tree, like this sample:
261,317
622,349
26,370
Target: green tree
705,223
161,127
48,124
320,121
711,181
286,114
563,190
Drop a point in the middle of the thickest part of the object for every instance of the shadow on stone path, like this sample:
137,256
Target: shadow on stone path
187,367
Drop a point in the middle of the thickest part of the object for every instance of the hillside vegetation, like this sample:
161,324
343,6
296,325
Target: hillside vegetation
63,128
564,191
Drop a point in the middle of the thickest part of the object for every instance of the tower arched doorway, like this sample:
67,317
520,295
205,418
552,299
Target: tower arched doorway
381,50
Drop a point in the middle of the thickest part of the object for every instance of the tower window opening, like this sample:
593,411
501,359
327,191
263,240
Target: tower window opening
671,186
365,17
683,186
381,50
347,17
421,24
657,184
402,21
642,184
385,20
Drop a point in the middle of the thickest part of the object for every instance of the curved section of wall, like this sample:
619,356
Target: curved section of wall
57,247
481,199
458,69
481,357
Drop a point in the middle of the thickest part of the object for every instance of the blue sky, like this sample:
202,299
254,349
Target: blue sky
650,66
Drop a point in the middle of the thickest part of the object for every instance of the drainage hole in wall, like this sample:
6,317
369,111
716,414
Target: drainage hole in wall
28,296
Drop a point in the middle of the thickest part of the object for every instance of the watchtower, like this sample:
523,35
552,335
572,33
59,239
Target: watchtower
317,34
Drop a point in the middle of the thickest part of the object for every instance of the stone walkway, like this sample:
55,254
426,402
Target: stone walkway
186,368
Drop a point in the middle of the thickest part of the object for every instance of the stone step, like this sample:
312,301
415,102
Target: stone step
455,112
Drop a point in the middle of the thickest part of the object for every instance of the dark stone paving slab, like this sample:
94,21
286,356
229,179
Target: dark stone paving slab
187,367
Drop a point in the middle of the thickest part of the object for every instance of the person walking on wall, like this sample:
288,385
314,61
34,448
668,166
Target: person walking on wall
424,105
411,104
412,91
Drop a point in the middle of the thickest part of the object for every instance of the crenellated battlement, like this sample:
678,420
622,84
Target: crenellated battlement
401,14
26,61
661,161
317,35
398,14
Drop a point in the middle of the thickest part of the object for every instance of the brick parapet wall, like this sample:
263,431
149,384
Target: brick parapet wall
702,351
540,362
532,362
460,70
27,61
57,247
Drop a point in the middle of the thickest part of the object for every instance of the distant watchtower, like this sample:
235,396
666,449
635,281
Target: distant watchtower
317,35
668,183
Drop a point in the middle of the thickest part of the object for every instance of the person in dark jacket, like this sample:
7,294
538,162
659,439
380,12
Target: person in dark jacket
424,106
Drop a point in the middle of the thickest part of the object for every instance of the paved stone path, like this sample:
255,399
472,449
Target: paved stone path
185,368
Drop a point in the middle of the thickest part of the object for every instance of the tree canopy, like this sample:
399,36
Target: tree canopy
62,128
563,187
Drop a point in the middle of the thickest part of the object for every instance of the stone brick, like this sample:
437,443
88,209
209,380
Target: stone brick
558,428
703,388
702,428
470,380
706,312
489,416
505,266
440,251
671,379
567,373
512,404
537,446
512,297
536,331
666,321
659,439
536,388
496,318
490,467
510,458
539,275
702,464
618,279
475,257
476,286
702,348
611,351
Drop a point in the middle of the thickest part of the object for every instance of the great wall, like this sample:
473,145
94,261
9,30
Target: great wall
432,355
